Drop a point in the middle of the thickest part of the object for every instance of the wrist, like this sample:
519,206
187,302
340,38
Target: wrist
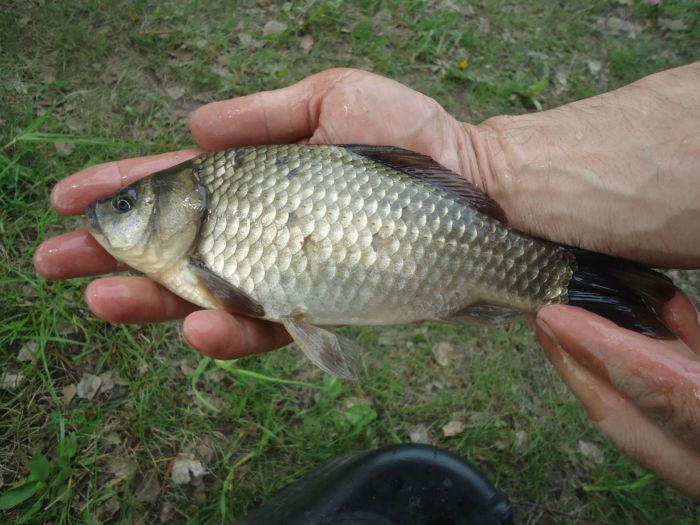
517,169
615,173
612,174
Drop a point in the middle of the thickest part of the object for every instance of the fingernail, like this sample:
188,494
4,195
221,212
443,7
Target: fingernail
544,330
584,352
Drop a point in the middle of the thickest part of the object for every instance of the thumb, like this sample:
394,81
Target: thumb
279,116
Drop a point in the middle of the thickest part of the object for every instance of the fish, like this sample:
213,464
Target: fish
319,236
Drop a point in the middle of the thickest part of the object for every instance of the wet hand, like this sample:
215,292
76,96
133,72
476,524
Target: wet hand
615,173
643,394
336,106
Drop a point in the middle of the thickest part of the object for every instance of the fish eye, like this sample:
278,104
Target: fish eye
124,201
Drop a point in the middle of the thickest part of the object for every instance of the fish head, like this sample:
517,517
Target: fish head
153,223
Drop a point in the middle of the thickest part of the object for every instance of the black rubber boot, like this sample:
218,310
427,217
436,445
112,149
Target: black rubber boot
395,485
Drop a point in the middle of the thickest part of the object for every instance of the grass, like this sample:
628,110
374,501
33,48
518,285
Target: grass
94,80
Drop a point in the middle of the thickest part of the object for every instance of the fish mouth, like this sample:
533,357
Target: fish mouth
93,224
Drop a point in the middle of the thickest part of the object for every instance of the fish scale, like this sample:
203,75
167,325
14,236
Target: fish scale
412,244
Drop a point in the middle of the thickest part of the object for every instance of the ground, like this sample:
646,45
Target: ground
122,424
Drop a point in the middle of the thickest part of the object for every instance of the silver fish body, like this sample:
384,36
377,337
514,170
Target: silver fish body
325,233
330,235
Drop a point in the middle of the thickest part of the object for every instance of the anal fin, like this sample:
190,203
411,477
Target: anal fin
330,352
483,313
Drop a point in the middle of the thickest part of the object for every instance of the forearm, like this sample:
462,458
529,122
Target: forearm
616,173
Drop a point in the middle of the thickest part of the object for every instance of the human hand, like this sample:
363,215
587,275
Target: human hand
643,394
616,173
336,106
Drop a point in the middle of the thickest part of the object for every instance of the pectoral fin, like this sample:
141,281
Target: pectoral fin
232,299
330,352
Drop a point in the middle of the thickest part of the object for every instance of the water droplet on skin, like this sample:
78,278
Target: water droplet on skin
579,135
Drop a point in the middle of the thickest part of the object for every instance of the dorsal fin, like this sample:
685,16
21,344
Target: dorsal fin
425,168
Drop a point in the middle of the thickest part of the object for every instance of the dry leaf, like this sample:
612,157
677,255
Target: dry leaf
274,27
672,24
11,381
620,26
591,451
444,353
110,379
520,439
245,39
306,42
66,329
453,428
594,67
148,489
186,468
431,387
88,386
483,25
19,86
222,71
175,92
27,352
106,382
68,393
121,468
248,41
419,434
112,438
457,7
200,496
181,55
64,148
107,510
166,510
561,82
206,452
217,376
186,367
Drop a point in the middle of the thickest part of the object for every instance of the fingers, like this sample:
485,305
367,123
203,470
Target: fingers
661,378
624,423
281,116
73,194
135,300
74,254
223,336
138,300
682,318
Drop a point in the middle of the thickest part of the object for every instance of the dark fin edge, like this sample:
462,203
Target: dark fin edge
233,299
628,294
426,169
484,313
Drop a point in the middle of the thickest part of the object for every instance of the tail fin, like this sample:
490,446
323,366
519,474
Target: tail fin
628,294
